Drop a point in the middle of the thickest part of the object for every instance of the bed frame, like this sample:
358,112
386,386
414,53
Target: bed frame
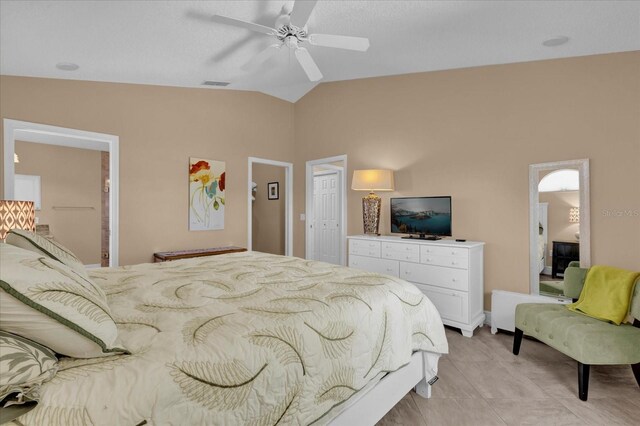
370,404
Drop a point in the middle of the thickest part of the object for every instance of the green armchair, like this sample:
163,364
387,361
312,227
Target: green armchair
587,340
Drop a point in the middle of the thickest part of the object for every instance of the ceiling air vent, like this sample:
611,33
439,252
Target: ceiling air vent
215,83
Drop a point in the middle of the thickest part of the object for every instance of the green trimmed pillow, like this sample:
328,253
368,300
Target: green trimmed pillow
24,366
38,244
45,301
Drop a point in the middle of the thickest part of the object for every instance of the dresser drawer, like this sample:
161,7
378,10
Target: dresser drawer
447,278
452,305
364,248
449,261
443,251
380,266
399,251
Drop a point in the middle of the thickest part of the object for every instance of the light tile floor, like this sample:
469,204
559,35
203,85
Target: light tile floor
483,383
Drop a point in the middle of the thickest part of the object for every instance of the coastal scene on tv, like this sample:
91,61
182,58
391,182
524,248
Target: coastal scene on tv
427,215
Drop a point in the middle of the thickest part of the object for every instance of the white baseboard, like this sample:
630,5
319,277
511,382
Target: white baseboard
93,266
546,270
487,317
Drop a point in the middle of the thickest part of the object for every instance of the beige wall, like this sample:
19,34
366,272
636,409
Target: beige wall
68,177
468,133
471,133
268,224
558,226
159,129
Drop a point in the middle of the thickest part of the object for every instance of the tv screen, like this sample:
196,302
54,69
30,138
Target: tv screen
421,215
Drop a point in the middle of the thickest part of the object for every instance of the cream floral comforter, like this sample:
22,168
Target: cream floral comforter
244,338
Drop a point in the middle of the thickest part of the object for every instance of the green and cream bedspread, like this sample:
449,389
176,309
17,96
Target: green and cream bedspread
243,338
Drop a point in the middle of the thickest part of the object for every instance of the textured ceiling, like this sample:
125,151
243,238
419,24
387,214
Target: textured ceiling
172,43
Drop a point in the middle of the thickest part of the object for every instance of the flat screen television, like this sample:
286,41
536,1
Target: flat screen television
426,217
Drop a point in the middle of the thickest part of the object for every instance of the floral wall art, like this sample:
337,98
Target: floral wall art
206,194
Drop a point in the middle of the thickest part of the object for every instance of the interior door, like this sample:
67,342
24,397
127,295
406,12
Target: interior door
326,217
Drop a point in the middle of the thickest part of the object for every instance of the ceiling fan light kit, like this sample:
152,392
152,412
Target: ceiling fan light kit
292,31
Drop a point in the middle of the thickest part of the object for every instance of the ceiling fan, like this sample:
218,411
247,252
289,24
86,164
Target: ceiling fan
290,30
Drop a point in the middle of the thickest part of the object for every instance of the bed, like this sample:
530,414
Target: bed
250,338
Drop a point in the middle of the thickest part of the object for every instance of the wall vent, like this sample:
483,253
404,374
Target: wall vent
215,83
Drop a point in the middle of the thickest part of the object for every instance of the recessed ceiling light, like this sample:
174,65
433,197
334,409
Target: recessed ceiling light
555,41
67,66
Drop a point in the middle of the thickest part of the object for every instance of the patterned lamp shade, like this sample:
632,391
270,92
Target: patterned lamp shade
574,215
16,215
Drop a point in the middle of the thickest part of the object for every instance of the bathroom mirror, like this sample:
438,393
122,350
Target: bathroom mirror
559,223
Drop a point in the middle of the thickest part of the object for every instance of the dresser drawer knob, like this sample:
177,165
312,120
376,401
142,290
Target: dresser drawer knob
389,269
408,257
454,263
453,279
453,252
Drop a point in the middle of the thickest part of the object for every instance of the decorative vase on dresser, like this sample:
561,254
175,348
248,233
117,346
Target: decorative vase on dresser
449,273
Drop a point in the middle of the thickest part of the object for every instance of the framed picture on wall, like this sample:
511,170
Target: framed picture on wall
207,184
273,190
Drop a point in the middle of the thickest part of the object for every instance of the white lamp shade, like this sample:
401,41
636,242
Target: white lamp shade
372,180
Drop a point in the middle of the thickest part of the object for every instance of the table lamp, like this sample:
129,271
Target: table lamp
16,215
372,180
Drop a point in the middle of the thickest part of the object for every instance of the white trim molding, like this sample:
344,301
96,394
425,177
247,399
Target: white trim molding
582,166
288,177
53,135
326,163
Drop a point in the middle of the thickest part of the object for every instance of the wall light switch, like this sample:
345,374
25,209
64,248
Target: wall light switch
303,217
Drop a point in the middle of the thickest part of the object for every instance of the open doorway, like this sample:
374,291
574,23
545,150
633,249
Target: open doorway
270,206
326,216
77,176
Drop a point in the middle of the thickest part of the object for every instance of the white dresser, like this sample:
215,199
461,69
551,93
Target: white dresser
449,273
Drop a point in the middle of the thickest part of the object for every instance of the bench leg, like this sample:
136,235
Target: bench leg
583,381
636,372
517,341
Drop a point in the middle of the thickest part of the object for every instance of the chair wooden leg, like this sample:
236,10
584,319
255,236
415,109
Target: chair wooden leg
583,381
517,341
636,372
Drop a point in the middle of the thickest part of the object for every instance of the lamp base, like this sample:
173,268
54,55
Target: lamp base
371,205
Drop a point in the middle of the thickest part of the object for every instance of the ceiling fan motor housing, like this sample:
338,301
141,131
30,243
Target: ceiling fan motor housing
291,35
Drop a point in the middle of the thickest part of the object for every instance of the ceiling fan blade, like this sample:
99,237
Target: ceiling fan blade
308,64
262,57
301,11
243,24
340,42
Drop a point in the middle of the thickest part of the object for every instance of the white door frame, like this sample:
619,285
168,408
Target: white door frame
61,136
288,217
343,203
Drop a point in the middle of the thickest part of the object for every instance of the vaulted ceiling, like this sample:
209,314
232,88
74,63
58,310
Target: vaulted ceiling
174,43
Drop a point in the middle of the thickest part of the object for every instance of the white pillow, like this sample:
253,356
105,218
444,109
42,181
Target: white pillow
45,301
52,249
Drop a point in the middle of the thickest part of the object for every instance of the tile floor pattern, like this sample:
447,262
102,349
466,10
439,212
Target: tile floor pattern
483,383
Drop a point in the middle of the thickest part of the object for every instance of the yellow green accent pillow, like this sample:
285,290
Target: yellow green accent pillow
606,294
